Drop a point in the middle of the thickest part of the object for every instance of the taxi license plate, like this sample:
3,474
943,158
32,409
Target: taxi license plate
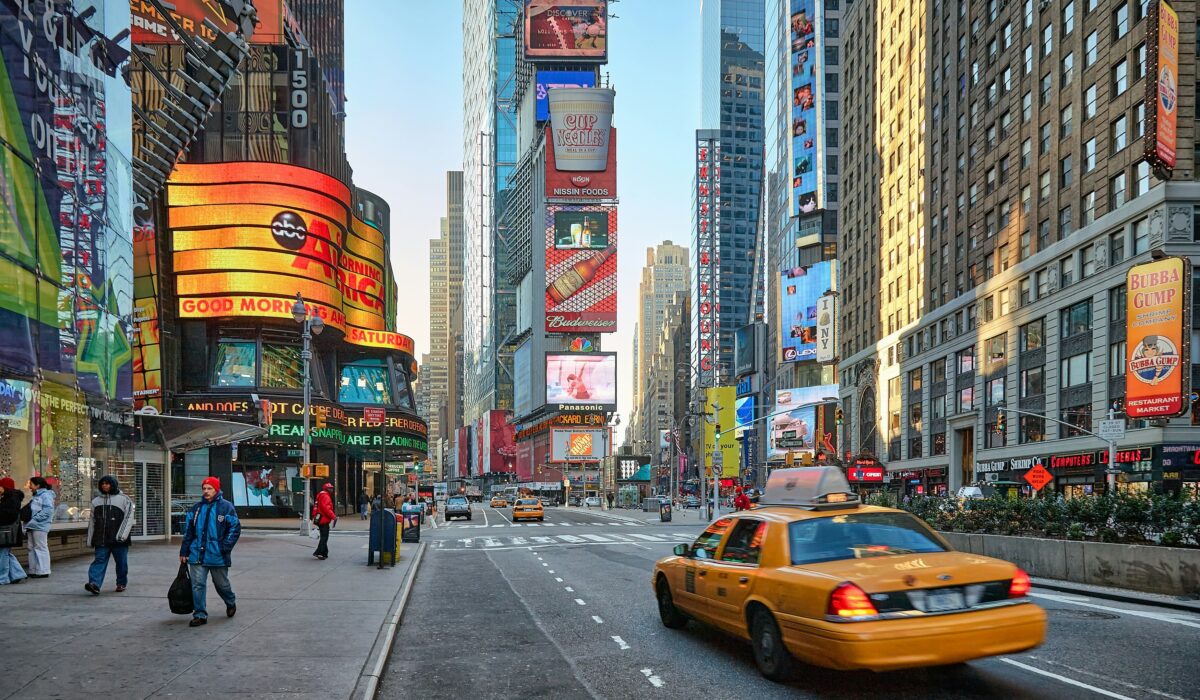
939,601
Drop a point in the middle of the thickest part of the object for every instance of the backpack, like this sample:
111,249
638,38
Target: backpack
27,512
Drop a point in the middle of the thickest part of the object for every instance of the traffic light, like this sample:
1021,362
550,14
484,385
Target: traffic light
718,431
806,459
790,459
1000,422
838,415
320,419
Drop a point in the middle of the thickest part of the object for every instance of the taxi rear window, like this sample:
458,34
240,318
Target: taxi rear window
859,535
527,501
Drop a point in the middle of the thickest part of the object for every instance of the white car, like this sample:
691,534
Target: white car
592,501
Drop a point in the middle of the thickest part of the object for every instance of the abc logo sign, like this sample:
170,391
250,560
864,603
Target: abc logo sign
289,230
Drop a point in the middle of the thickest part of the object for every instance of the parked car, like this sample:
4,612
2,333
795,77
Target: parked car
592,502
458,507
574,501
691,502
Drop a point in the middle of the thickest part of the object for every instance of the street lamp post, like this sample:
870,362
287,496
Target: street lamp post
313,325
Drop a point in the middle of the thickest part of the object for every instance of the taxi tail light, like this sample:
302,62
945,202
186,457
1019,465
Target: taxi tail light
848,600
1020,586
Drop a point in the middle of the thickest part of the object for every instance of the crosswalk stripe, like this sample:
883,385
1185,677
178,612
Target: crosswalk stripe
648,538
596,538
570,538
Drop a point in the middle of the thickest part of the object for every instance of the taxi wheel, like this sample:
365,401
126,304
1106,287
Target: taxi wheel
773,659
667,612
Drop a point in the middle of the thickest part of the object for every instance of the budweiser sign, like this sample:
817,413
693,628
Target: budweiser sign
558,321
581,119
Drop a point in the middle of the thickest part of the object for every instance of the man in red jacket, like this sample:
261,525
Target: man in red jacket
323,516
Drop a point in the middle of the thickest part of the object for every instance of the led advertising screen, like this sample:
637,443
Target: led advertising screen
579,444
796,424
248,236
799,290
566,30
743,350
150,27
549,79
1157,326
581,184
581,382
806,129
706,259
744,411
581,268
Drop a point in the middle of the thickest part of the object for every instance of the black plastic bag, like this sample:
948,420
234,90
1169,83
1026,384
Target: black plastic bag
180,593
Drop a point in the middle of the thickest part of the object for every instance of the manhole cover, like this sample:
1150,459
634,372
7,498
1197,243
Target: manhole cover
1081,614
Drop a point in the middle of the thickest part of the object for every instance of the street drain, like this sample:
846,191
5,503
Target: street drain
1081,614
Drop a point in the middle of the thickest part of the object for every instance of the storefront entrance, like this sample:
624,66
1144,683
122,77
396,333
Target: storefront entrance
145,481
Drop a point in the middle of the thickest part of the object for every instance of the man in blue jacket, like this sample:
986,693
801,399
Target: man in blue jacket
212,531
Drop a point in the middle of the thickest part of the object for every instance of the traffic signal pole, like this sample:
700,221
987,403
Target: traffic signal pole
1111,472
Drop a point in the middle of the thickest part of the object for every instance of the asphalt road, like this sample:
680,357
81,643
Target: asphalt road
564,609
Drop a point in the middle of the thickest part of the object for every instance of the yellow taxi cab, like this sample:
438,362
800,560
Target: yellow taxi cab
499,502
528,509
814,575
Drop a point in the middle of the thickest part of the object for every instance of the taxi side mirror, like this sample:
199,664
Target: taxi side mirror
681,550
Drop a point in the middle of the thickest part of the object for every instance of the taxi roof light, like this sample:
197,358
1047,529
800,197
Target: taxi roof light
814,488
850,601
1020,586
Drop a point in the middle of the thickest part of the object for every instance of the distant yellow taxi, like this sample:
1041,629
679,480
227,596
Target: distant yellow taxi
499,502
528,509
813,575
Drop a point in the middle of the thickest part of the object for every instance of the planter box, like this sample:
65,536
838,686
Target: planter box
65,542
1153,569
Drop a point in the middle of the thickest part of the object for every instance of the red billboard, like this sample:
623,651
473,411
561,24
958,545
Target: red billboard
148,26
1162,85
499,443
581,268
574,184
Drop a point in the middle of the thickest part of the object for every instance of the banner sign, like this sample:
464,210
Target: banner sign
581,268
723,454
1162,86
707,259
1158,332
581,382
807,63
826,328
798,424
566,30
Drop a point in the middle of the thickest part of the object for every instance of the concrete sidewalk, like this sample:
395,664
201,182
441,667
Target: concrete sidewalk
304,628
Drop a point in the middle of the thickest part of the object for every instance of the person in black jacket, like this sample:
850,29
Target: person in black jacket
109,532
10,512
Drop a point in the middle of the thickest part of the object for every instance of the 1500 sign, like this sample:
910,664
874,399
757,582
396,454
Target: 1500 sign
299,96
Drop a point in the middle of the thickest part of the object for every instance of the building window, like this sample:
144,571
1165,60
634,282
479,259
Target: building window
1033,429
236,364
1141,182
914,380
1079,416
1004,307
1117,194
1116,248
1089,155
1139,65
1120,77
1141,236
914,417
1041,280
1089,208
966,398
1075,370
1026,152
365,382
1116,359
966,360
1120,134
1088,257
996,348
1065,174
1068,69
1139,120
1068,17
1023,299
1033,382
995,392
937,368
1033,335
995,436
1090,98
1043,234
1091,49
1044,186
939,406
1065,121
1066,272
282,367
1047,83
1028,60
1047,39
1077,319
1066,223
1120,21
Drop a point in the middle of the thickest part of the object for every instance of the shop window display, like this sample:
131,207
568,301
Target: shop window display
365,383
282,367
235,364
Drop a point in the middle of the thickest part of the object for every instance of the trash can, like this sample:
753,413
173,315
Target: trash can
411,516
382,537
664,511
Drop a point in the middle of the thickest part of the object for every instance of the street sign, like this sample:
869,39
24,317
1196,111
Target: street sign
1112,430
374,415
1038,477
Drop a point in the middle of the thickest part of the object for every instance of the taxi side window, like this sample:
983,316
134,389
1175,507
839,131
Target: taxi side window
705,546
745,542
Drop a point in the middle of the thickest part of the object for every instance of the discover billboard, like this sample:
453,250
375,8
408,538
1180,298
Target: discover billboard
566,30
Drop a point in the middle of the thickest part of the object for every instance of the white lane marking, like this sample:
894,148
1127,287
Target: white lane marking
557,578
549,524
568,589
1068,681
1161,617
500,525
539,558
545,564
543,540
654,680
491,542
580,601
620,643
597,619
1114,681
468,541
571,538
519,540
620,538
596,538
551,571
648,538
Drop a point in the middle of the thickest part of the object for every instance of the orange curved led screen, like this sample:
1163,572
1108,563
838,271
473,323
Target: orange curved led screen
247,237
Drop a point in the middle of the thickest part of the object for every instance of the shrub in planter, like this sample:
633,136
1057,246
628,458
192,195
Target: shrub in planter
1172,538
1075,531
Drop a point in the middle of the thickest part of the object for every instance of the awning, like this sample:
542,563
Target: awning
182,433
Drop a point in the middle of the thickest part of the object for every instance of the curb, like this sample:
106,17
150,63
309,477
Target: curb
618,518
1133,598
368,681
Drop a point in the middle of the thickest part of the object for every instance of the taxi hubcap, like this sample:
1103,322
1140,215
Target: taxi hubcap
767,645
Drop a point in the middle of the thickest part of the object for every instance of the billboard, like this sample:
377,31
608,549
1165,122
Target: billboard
744,411
720,402
706,258
246,237
1157,329
799,290
807,126
581,268
566,30
550,79
743,350
579,444
66,196
797,424
577,184
826,328
499,453
150,27
1162,85
581,123
578,382
147,341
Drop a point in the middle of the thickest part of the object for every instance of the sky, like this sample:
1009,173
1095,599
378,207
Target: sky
404,131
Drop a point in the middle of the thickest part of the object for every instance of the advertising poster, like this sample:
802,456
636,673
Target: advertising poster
502,444
150,27
578,444
582,382
147,358
66,184
745,411
721,402
799,290
806,126
1164,88
549,79
826,328
581,184
522,379
706,259
743,350
581,124
797,425
566,30
581,268
1157,328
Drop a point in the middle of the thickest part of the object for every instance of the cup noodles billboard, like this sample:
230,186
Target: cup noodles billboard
581,268
1157,328
548,80
566,30
581,119
576,184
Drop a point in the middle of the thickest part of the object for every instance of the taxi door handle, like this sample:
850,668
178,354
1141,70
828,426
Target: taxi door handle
703,572
743,579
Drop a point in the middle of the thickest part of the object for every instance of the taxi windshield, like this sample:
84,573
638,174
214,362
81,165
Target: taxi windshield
528,502
859,535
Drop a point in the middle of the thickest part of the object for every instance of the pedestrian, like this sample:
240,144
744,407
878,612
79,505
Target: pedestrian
741,501
10,514
610,498
324,516
211,532
109,532
364,504
37,530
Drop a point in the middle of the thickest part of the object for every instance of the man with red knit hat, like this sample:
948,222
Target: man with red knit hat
324,516
212,530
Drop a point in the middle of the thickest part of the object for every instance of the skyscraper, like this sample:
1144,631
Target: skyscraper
666,272
441,367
